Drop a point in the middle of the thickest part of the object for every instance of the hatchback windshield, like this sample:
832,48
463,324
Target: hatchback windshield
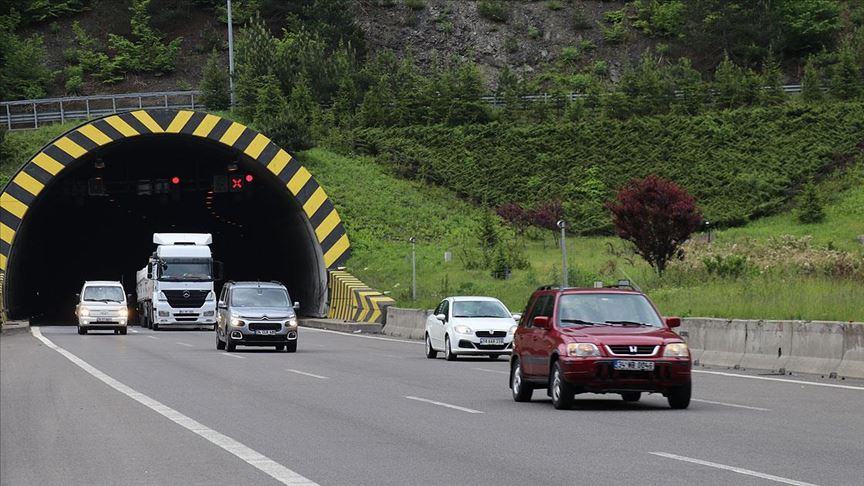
256,297
103,293
185,270
606,309
479,308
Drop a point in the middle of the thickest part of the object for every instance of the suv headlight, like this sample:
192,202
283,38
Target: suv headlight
582,349
462,329
676,350
512,330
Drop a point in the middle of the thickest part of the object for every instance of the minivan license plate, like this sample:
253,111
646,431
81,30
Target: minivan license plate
633,365
265,332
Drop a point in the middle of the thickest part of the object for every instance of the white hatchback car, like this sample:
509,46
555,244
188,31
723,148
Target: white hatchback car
470,326
102,305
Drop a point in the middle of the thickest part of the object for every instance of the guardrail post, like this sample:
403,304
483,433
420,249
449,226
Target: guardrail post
35,117
87,107
192,96
62,115
114,105
8,117
166,101
140,106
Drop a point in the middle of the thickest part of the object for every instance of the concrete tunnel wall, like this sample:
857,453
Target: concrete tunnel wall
319,228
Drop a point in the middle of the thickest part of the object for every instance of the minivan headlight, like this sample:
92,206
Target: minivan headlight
676,350
582,349
237,322
292,323
462,329
83,312
124,312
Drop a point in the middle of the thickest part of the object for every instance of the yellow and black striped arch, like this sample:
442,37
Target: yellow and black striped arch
36,175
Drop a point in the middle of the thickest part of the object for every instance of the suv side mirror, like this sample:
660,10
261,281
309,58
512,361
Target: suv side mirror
541,322
222,305
441,317
673,321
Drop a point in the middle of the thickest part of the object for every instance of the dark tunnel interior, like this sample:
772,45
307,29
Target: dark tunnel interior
96,219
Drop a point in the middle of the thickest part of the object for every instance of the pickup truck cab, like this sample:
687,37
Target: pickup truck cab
598,340
102,305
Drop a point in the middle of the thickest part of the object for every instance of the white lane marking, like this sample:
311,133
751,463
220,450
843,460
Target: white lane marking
442,404
133,331
738,470
250,456
783,380
152,337
492,371
758,409
308,374
362,336
185,344
234,355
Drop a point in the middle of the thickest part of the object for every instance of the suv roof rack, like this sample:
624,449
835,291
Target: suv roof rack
549,287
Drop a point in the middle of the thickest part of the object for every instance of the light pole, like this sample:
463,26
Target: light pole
413,242
230,54
563,225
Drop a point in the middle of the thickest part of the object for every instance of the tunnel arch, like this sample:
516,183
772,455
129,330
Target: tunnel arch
166,136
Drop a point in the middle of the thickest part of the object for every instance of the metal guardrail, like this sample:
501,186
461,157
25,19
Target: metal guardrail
30,114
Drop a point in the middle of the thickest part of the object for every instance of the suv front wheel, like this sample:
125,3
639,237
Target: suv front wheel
562,392
521,391
679,397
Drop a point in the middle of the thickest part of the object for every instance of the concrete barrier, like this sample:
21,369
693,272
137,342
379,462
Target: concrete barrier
810,347
406,323
14,327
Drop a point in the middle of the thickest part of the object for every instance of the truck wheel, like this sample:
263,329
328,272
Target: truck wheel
679,397
291,347
521,391
562,392
220,344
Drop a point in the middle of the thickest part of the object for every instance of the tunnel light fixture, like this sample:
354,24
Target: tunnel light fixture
232,166
98,164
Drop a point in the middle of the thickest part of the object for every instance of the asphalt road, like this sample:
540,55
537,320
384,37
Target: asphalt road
167,408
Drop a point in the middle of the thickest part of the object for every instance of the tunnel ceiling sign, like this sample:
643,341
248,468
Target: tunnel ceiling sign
35,177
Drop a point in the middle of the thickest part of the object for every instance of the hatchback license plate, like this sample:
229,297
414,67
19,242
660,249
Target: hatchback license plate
265,332
491,340
633,365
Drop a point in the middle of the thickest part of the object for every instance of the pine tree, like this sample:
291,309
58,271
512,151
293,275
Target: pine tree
810,205
811,83
847,81
214,84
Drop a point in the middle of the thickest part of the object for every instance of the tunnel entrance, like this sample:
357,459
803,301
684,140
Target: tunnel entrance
95,219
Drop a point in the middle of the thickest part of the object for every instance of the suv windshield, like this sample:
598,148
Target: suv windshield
606,309
185,270
479,308
257,297
102,293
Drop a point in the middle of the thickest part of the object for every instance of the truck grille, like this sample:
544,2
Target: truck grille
631,350
265,326
491,333
186,298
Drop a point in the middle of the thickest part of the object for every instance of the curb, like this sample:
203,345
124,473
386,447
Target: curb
15,327
342,326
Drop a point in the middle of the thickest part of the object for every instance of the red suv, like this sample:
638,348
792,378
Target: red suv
598,340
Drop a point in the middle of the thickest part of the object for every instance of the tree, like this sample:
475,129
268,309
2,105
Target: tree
146,53
810,205
214,85
23,70
488,235
811,83
847,81
657,216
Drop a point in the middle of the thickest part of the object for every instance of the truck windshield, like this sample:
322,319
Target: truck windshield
186,270
606,310
479,308
102,293
256,297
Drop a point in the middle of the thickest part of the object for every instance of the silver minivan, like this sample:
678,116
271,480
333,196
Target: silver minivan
102,305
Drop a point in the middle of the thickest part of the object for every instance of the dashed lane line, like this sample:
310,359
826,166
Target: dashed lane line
735,469
308,374
442,404
185,344
733,405
492,371
782,380
234,355
249,456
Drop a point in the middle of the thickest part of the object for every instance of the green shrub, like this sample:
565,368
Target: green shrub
74,80
580,19
616,33
731,266
660,17
215,86
23,69
554,5
494,10
570,54
146,52
810,205
534,32
415,4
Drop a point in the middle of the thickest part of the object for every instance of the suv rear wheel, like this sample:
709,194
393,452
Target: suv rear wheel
521,391
679,397
562,392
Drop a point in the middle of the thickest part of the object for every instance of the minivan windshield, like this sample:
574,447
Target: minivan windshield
185,270
606,309
102,293
479,308
257,297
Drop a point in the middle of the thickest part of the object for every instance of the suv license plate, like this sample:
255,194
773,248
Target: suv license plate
265,332
633,365
491,340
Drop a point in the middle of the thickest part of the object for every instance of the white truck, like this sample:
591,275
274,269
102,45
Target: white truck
176,286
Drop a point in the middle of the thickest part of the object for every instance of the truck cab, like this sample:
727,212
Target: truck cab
176,286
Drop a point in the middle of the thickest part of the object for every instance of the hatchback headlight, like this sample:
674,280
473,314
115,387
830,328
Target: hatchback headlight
462,329
676,350
582,349
512,330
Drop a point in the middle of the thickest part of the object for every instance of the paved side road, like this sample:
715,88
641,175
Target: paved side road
167,408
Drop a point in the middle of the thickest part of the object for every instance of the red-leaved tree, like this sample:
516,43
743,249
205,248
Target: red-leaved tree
657,216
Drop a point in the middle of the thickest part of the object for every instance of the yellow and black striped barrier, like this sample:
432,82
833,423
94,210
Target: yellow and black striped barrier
353,300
